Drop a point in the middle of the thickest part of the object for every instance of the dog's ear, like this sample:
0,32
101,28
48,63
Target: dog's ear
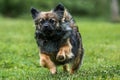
59,10
34,12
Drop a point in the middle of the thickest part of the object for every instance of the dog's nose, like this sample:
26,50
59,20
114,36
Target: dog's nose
46,26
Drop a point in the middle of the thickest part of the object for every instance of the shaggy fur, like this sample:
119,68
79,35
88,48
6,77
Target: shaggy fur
58,39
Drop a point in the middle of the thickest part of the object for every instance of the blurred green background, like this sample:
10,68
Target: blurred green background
93,8
19,58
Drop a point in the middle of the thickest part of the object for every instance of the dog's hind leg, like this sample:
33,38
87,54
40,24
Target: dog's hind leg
45,61
77,61
79,57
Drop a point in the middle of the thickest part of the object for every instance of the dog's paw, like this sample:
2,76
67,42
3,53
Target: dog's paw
64,53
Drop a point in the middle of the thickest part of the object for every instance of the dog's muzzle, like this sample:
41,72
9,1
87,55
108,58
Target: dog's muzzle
47,28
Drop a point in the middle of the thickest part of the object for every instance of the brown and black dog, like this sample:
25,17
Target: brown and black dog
58,39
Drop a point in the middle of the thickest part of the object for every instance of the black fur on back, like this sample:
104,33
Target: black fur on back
75,42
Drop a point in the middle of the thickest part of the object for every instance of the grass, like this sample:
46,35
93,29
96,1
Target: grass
19,58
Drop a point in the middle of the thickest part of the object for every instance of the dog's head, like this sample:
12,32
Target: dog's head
48,22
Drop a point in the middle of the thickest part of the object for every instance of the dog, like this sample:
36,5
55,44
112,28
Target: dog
58,39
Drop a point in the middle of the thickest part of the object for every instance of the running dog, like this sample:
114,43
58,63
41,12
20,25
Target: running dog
58,39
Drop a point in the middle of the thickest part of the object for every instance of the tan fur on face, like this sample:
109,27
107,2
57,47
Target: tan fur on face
47,15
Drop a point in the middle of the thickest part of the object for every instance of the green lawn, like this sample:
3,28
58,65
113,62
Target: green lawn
19,58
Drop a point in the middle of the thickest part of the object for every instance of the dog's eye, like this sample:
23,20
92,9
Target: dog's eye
42,21
52,21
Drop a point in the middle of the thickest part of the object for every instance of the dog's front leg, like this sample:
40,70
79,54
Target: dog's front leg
65,52
45,61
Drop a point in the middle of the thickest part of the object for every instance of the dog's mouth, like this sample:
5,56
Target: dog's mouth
48,32
52,32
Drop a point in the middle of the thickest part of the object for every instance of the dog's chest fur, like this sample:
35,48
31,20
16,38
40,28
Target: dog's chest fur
50,44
